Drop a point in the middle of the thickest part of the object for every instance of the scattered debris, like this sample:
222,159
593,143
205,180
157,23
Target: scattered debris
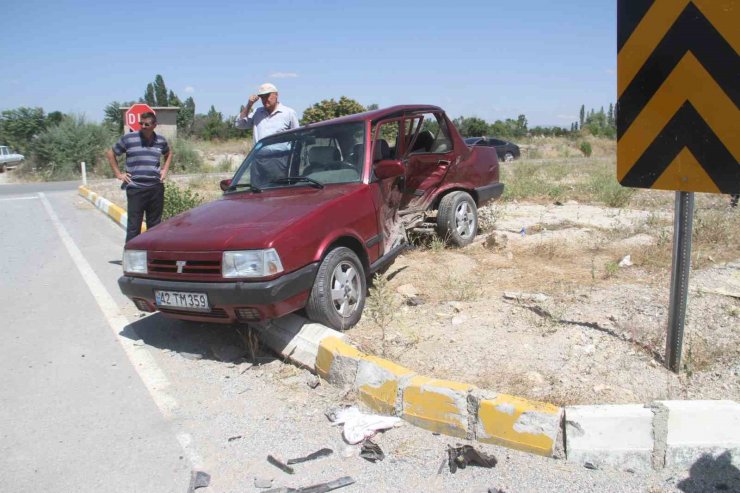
495,242
237,437
358,425
312,380
283,467
588,465
324,452
198,479
317,488
414,301
465,455
263,483
626,261
371,451
536,297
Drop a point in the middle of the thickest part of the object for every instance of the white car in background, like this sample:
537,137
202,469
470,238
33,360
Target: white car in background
8,159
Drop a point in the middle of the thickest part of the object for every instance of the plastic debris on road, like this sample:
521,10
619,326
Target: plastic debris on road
359,426
280,465
317,488
465,455
371,451
324,452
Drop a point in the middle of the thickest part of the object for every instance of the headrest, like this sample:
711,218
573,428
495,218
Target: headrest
424,141
323,154
382,150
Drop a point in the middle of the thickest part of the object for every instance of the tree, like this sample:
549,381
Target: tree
582,115
59,149
186,117
328,109
372,106
149,97
112,116
610,116
471,127
160,92
19,126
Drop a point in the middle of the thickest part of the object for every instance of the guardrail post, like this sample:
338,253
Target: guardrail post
84,172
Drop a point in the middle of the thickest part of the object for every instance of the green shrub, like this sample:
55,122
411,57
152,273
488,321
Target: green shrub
606,189
58,151
585,148
185,159
177,200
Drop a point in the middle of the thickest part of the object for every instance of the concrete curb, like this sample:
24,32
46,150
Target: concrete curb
633,437
116,213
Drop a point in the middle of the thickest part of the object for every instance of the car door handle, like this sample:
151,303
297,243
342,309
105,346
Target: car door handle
443,162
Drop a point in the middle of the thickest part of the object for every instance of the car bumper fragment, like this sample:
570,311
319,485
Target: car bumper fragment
489,192
227,293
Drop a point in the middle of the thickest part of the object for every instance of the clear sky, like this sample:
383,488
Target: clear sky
493,59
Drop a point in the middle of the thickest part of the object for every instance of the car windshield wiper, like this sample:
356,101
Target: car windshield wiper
244,185
296,179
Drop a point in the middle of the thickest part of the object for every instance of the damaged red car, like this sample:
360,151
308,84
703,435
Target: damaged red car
310,215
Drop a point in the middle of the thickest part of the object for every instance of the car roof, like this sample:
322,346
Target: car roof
373,115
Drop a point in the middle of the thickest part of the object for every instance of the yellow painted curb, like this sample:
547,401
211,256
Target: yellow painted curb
112,210
332,350
519,423
378,383
440,406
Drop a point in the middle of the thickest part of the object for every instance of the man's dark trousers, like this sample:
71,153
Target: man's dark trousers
149,200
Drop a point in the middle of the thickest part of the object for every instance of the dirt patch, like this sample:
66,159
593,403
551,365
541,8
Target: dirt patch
549,306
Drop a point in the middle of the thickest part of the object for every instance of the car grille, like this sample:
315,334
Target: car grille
198,266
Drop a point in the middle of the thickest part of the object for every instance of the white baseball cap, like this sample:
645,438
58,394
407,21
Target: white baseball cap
266,88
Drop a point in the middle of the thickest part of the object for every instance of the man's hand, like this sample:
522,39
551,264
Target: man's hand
252,99
162,175
124,177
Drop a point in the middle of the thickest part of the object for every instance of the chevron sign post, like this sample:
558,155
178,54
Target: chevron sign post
678,121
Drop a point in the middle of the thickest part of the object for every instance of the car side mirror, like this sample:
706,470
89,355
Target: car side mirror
224,184
388,168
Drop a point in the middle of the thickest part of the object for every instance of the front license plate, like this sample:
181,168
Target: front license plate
184,301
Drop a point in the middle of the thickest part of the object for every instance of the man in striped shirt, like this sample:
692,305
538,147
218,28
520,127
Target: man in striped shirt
144,178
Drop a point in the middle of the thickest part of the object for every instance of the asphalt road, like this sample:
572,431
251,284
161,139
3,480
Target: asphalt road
97,397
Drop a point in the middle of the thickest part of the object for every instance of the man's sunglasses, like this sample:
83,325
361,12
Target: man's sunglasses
143,124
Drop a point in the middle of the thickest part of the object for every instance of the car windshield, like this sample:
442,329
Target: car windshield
472,140
305,157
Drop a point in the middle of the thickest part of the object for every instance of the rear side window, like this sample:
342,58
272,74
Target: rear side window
428,133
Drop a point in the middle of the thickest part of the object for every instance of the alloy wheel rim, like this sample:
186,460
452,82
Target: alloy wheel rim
464,220
345,289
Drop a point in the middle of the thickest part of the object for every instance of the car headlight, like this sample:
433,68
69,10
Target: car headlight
251,263
134,261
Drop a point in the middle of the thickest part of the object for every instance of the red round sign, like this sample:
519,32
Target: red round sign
133,115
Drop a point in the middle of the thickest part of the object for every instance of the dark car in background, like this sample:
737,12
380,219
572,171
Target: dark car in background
506,151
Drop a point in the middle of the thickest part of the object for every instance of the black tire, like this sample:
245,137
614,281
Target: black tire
457,219
338,294
508,157
2,168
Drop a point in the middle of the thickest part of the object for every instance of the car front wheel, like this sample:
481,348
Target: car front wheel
457,219
338,294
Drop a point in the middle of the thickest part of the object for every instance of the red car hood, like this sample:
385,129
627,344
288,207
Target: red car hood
238,221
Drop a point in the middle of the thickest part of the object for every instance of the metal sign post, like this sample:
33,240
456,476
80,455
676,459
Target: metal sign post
682,227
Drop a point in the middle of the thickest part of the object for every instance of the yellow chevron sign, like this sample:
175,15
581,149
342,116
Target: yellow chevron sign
678,85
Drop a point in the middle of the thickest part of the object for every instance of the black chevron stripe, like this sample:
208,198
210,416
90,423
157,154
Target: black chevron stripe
629,15
686,129
691,31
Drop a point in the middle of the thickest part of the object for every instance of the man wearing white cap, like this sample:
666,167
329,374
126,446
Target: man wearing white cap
272,118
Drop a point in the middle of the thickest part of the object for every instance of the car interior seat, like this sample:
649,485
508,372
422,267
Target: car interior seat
357,155
322,155
424,142
382,150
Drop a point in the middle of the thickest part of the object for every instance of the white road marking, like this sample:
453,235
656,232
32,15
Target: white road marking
153,377
33,197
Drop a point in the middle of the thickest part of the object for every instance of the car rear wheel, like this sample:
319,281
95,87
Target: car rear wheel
508,157
457,218
338,294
